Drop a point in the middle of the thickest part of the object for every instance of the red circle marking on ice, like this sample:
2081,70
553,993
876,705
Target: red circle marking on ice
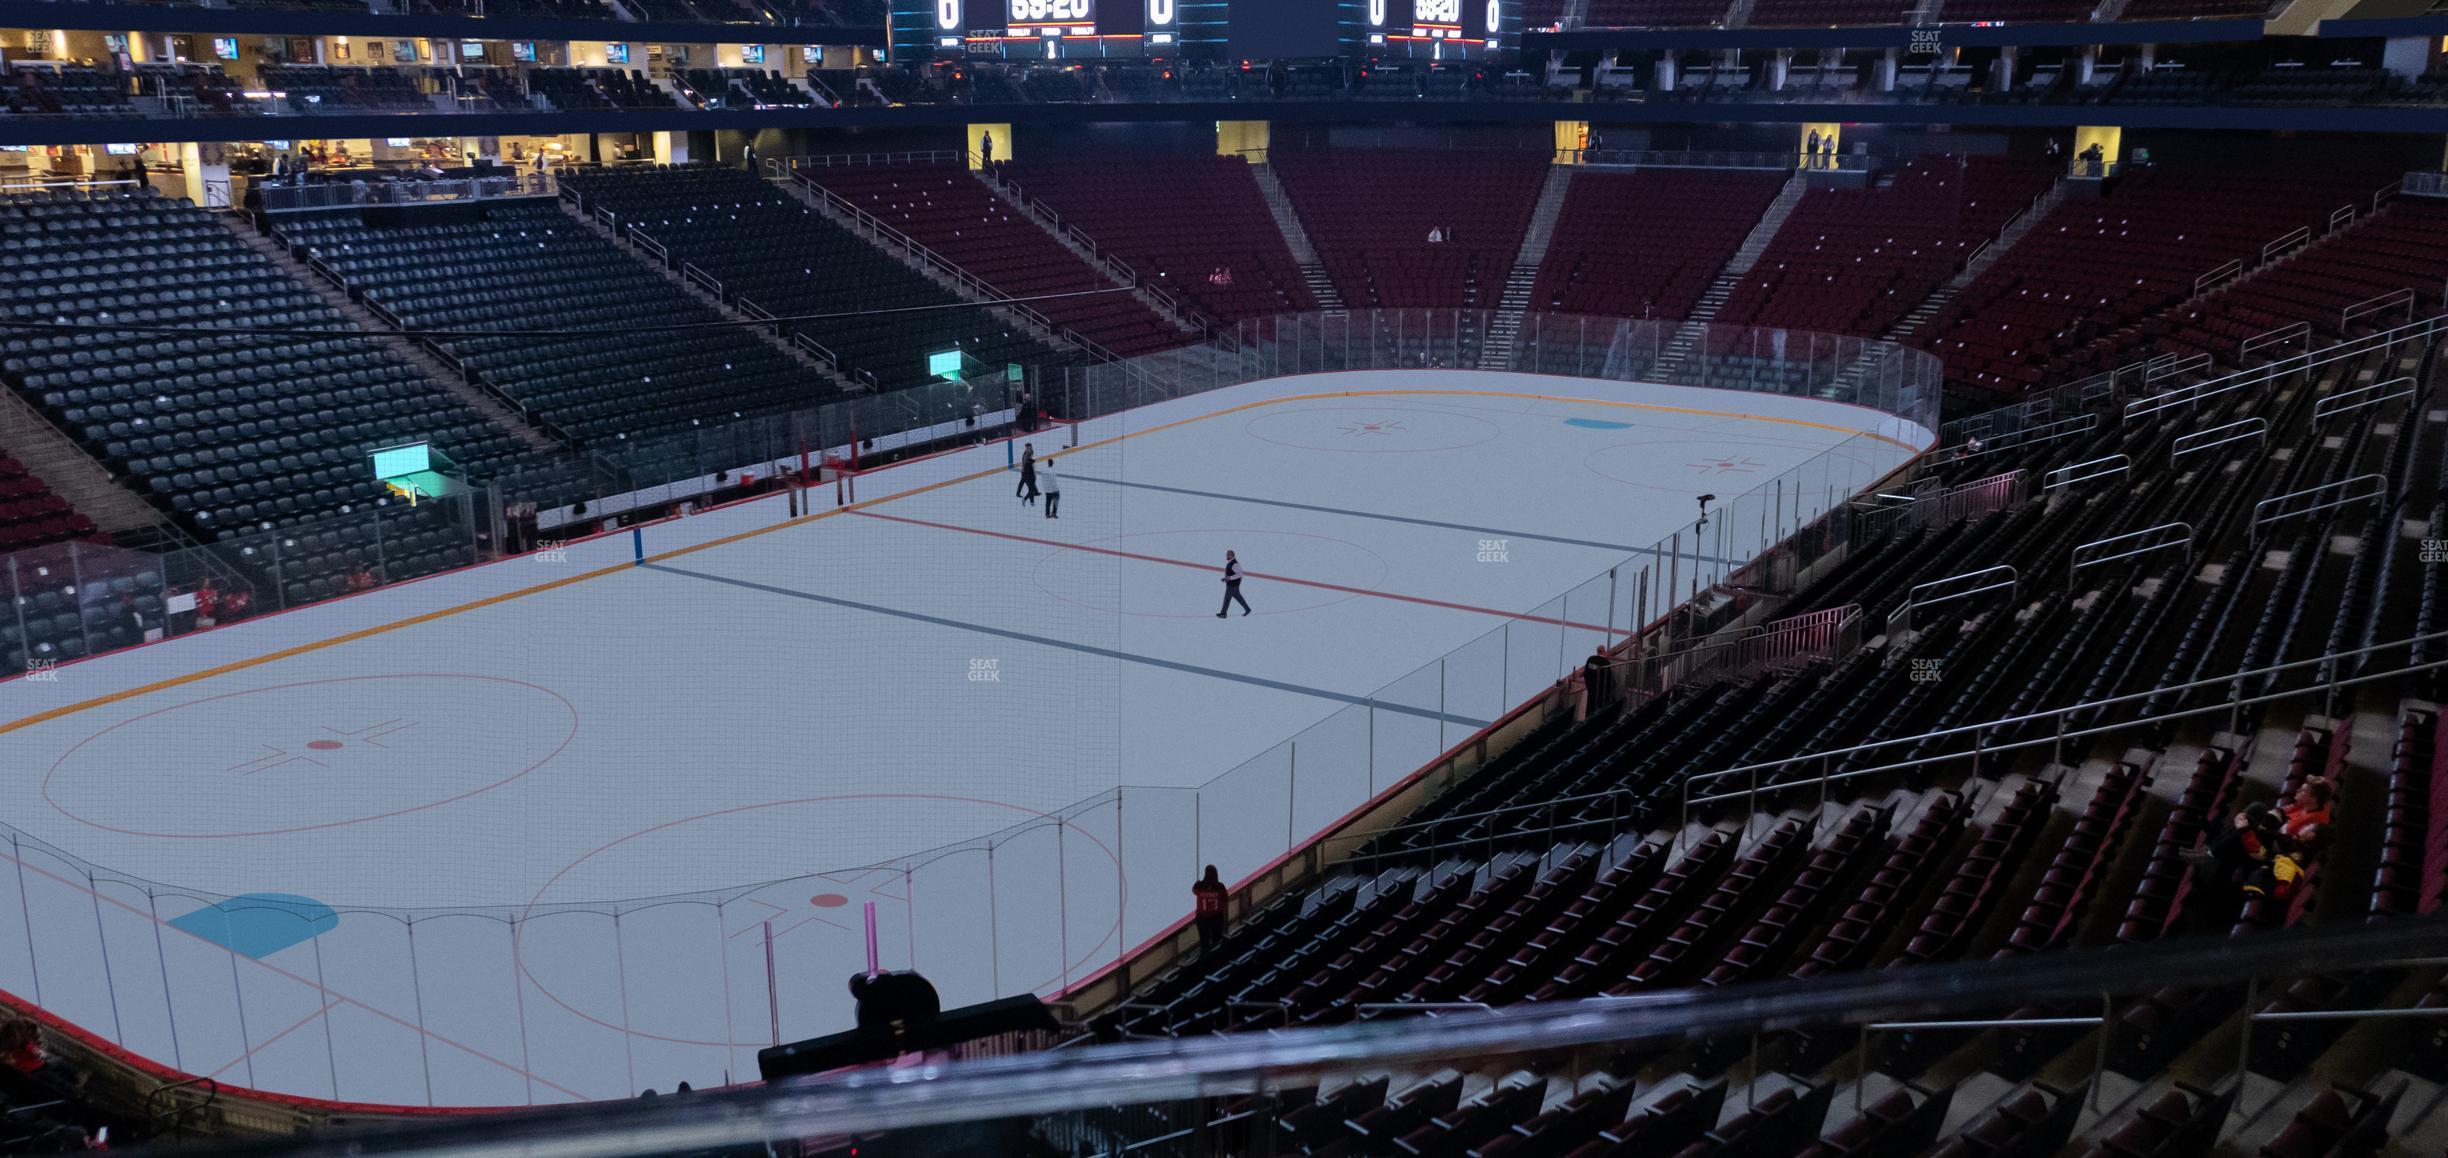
569,732
828,900
323,745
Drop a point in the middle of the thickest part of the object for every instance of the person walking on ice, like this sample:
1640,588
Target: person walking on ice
1026,492
1052,485
1232,585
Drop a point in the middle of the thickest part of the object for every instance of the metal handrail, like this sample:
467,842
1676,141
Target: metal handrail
2268,339
2083,472
1946,590
2230,680
2080,562
2086,706
2308,360
2376,485
2380,303
871,1101
2245,428
2357,397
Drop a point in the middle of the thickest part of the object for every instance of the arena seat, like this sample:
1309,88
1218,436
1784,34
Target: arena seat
231,433
875,314
1368,213
1654,14
952,212
2397,249
32,516
2099,266
47,89
527,266
1648,243
1856,261
1177,220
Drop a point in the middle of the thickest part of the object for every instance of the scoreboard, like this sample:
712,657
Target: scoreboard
1056,28
1445,29
1213,29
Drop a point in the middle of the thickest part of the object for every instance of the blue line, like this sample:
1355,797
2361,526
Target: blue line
1047,641
1491,532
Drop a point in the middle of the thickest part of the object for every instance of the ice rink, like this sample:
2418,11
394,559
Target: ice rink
571,825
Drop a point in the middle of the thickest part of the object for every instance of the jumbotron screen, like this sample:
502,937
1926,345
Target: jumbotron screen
1117,25
1468,26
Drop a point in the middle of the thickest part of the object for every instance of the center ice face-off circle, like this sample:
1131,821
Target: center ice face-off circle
303,756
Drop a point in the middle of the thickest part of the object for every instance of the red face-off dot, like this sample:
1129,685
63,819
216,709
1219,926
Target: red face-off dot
828,900
323,745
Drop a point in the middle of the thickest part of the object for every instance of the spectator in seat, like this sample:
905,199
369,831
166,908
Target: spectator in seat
21,1047
360,579
2309,810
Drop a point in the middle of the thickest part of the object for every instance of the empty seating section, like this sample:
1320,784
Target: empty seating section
817,13
743,88
63,90
770,248
525,265
2413,873
231,433
2028,11
210,89
1855,261
2400,249
597,88
31,516
311,88
2097,266
949,210
1655,14
1369,212
2197,8
1647,243
1821,13
1177,220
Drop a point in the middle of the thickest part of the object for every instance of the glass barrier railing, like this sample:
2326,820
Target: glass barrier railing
1787,1059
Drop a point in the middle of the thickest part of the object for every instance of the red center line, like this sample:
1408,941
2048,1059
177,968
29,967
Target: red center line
1317,583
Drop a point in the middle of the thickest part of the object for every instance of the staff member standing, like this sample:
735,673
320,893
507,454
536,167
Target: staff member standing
1232,586
1052,485
1210,902
1026,492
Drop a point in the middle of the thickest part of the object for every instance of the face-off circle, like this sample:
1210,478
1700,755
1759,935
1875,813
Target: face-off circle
304,756
1372,430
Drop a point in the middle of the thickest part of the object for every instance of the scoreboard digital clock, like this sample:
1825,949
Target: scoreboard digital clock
1028,16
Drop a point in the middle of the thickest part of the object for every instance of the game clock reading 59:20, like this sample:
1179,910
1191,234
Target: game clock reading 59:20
1025,12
